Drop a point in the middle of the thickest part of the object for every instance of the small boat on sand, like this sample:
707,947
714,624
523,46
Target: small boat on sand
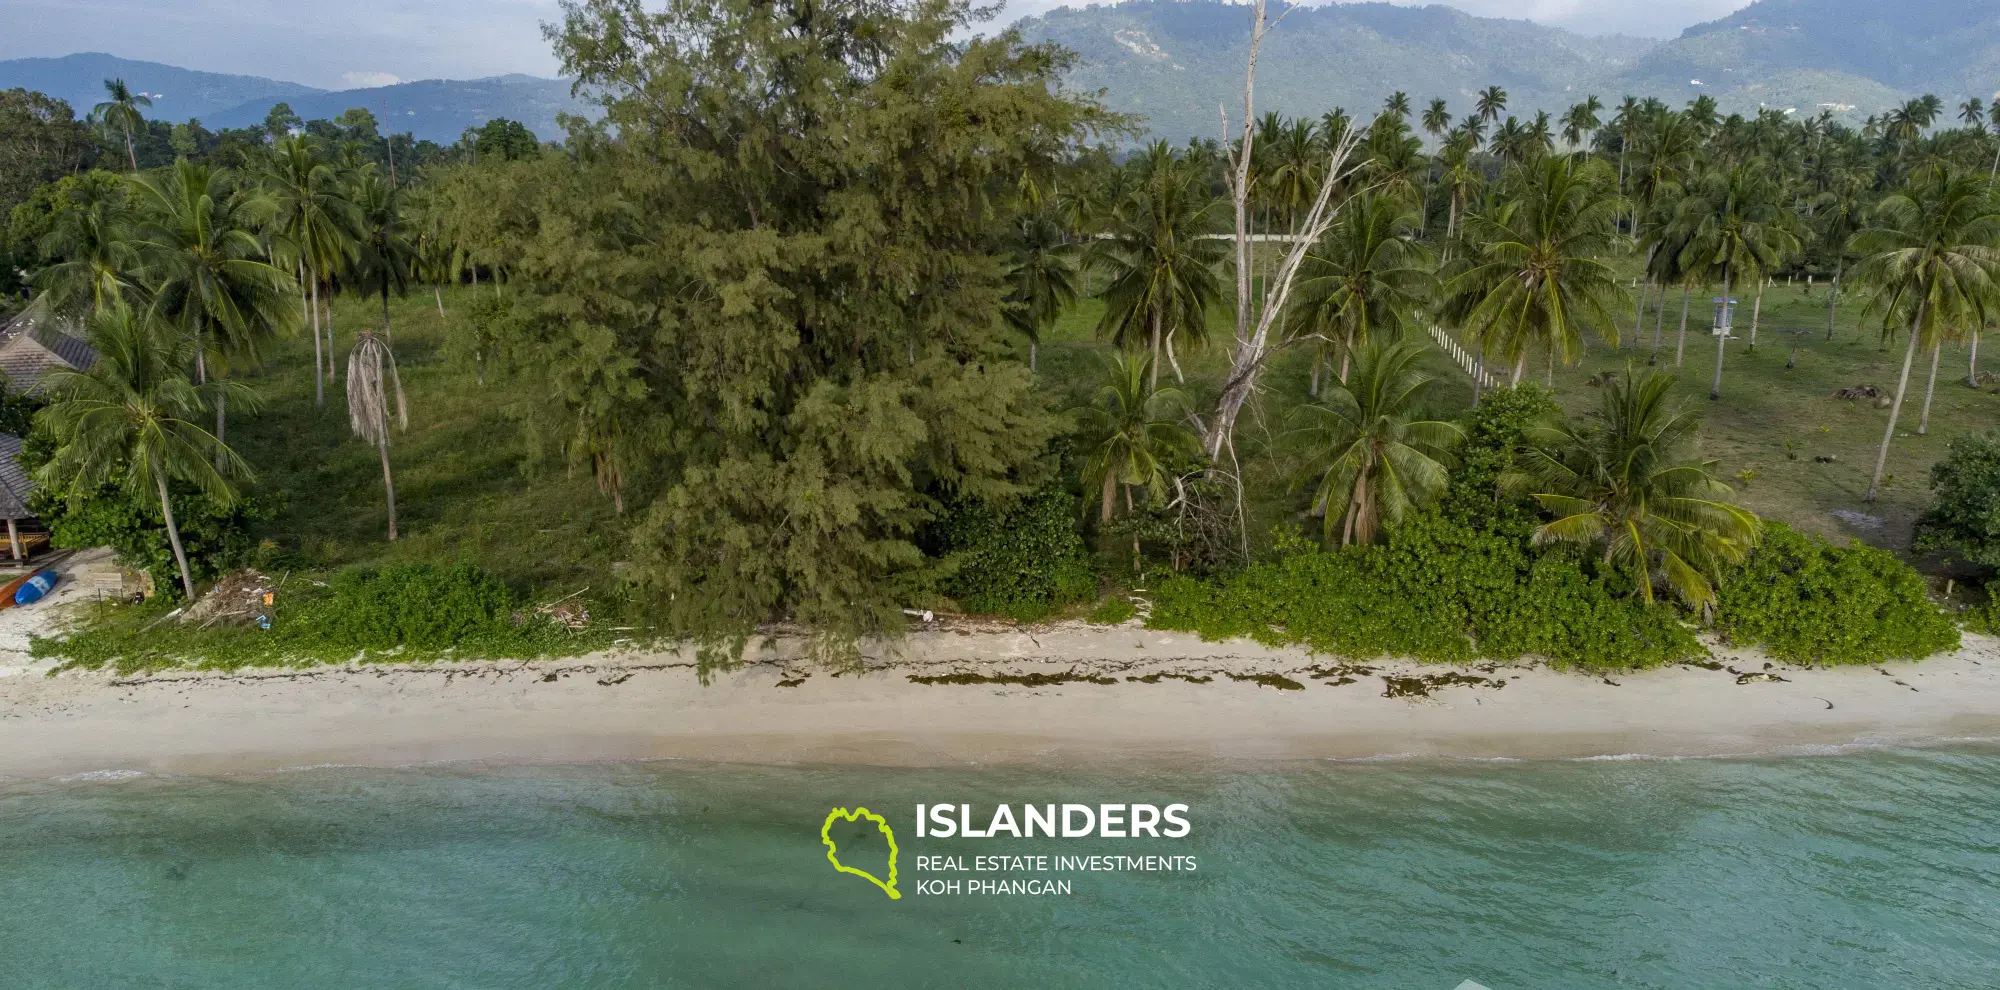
35,587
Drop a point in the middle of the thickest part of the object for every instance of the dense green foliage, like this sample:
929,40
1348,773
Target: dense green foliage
1438,591
400,613
216,534
771,313
1803,599
1964,517
1024,564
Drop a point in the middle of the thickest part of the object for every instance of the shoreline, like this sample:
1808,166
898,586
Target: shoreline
1067,695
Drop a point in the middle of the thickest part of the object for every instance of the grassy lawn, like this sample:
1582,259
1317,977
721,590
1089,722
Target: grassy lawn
1772,421
463,492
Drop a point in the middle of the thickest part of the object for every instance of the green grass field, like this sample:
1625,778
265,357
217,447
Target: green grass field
464,494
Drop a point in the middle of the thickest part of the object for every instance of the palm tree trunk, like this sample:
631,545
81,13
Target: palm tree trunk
1902,384
1478,372
332,369
1520,365
1756,314
1639,319
1319,358
1659,323
174,534
1032,347
1155,382
1346,353
319,362
388,480
1721,339
1680,346
1972,366
1110,495
221,427
387,335
1924,420
438,294
133,156
1551,374
1833,297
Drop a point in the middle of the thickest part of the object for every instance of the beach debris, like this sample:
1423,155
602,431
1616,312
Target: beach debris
1758,677
1613,683
793,681
1422,685
1703,664
609,681
1154,678
1852,392
925,614
1829,704
1279,681
1020,680
1342,674
242,598
567,611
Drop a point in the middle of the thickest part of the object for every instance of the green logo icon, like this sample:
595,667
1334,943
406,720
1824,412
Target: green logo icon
833,852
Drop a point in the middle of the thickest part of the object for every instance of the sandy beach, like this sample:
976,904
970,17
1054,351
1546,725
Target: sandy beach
1069,694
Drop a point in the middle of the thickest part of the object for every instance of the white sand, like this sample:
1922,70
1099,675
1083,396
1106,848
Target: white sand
650,706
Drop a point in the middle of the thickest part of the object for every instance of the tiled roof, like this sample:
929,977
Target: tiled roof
15,485
35,342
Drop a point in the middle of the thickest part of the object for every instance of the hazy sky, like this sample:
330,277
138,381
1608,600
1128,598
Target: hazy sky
340,44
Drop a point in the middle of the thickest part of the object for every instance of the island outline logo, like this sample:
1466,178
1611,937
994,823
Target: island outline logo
833,850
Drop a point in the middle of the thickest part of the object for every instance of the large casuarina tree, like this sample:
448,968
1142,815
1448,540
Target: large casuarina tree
771,286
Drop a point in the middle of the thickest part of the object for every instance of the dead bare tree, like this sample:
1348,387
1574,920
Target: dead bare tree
368,392
1255,316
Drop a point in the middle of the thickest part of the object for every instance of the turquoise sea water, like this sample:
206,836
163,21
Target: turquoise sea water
1864,869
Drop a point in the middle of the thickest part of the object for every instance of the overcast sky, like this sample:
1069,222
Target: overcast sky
341,44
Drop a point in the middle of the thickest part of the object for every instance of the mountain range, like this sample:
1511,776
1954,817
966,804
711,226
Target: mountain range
432,109
1176,62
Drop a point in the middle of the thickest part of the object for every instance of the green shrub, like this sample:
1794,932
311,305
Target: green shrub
216,536
1023,564
417,605
1111,611
1984,617
1964,515
1803,599
1440,591
404,612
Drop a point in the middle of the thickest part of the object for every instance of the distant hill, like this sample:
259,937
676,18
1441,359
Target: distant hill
1175,61
436,109
177,93
1802,53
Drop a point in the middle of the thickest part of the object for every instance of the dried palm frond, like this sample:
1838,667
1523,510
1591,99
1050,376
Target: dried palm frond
367,399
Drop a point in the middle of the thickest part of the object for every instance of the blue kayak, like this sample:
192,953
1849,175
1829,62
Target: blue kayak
35,588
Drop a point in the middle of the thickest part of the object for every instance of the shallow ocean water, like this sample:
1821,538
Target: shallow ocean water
1867,868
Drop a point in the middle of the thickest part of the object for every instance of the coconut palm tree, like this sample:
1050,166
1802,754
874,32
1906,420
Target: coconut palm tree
384,251
1136,431
207,268
1162,274
1738,224
1538,277
1460,175
1042,277
1633,491
1373,453
1437,119
1398,105
1490,104
121,110
1631,488
128,421
92,233
1581,121
1363,281
1928,251
311,214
